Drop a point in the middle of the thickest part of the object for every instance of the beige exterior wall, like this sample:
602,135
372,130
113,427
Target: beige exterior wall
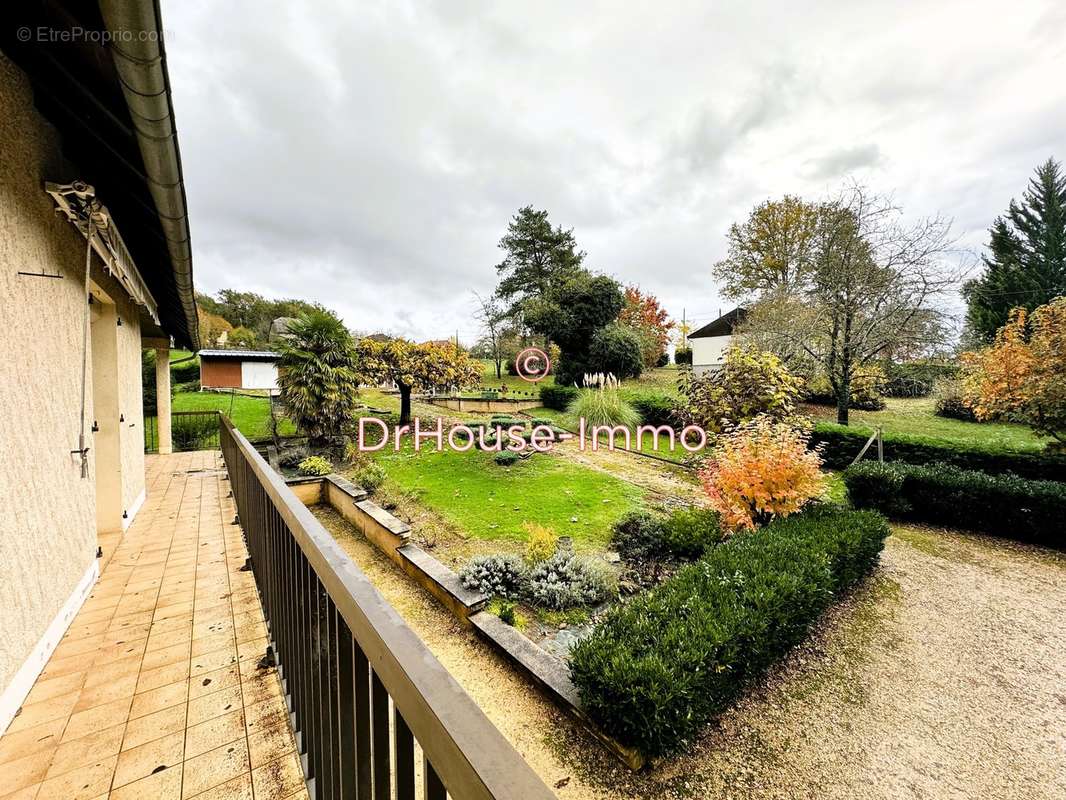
708,352
48,522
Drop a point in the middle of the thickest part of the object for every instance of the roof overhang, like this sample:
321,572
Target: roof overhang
99,76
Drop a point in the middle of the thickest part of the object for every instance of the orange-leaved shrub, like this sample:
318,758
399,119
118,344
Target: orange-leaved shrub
760,470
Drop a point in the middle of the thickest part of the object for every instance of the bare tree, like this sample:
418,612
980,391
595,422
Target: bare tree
872,289
493,317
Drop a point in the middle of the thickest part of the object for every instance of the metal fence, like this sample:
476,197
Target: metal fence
374,711
189,430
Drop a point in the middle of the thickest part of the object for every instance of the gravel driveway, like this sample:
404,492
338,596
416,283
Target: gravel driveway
942,676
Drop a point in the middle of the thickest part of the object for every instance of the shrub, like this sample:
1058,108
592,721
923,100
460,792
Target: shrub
369,475
541,421
558,398
565,581
541,543
506,458
315,465
193,431
658,668
500,575
865,390
615,349
185,371
663,359
655,408
915,378
684,533
759,471
840,444
506,422
689,532
751,382
683,355
941,494
508,613
951,402
602,404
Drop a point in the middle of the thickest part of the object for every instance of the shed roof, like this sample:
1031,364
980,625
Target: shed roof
723,326
240,355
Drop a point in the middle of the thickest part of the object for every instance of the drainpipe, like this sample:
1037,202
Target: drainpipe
140,63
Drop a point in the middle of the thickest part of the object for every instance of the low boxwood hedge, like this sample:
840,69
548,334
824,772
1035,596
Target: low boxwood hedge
942,494
557,397
655,408
841,445
658,668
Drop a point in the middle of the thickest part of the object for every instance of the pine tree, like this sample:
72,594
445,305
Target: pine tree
1026,265
537,257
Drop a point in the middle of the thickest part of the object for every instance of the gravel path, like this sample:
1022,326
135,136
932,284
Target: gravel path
942,676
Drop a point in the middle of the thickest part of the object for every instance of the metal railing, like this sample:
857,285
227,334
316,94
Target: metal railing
189,430
364,691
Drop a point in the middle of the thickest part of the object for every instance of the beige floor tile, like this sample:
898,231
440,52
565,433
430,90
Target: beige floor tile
214,705
107,673
149,758
95,719
162,676
106,692
164,656
214,733
154,700
83,783
271,745
33,714
47,688
86,750
240,788
30,792
216,659
279,779
215,767
25,771
214,681
31,740
162,785
153,726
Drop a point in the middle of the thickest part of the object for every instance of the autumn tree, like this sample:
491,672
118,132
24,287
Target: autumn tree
416,367
870,285
1021,377
1026,265
771,252
317,375
644,315
537,257
212,327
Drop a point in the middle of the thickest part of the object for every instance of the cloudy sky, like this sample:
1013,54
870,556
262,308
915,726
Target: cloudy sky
369,155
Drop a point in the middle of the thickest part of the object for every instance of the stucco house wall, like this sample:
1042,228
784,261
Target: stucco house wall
48,532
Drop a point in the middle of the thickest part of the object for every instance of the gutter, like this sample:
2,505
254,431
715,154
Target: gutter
141,66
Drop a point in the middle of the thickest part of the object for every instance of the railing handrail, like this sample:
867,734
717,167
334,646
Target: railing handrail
471,756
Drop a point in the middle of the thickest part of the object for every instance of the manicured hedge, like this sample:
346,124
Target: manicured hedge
557,397
657,669
655,408
841,445
941,494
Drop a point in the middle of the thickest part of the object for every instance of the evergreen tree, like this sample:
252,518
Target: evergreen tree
1027,262
538,256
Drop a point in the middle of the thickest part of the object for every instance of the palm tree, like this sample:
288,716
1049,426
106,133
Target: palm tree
318,376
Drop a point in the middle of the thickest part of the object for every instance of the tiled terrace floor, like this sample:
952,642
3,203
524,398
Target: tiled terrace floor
155,691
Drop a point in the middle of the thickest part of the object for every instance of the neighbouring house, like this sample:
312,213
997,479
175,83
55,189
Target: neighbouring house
238,369
96,267
709,343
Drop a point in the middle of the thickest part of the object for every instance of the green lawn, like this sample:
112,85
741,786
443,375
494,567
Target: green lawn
916,417
492,502
251,415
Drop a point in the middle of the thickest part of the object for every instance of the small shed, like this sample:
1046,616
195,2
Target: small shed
710,342
238,369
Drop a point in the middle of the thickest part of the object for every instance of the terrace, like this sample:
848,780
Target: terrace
165,684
